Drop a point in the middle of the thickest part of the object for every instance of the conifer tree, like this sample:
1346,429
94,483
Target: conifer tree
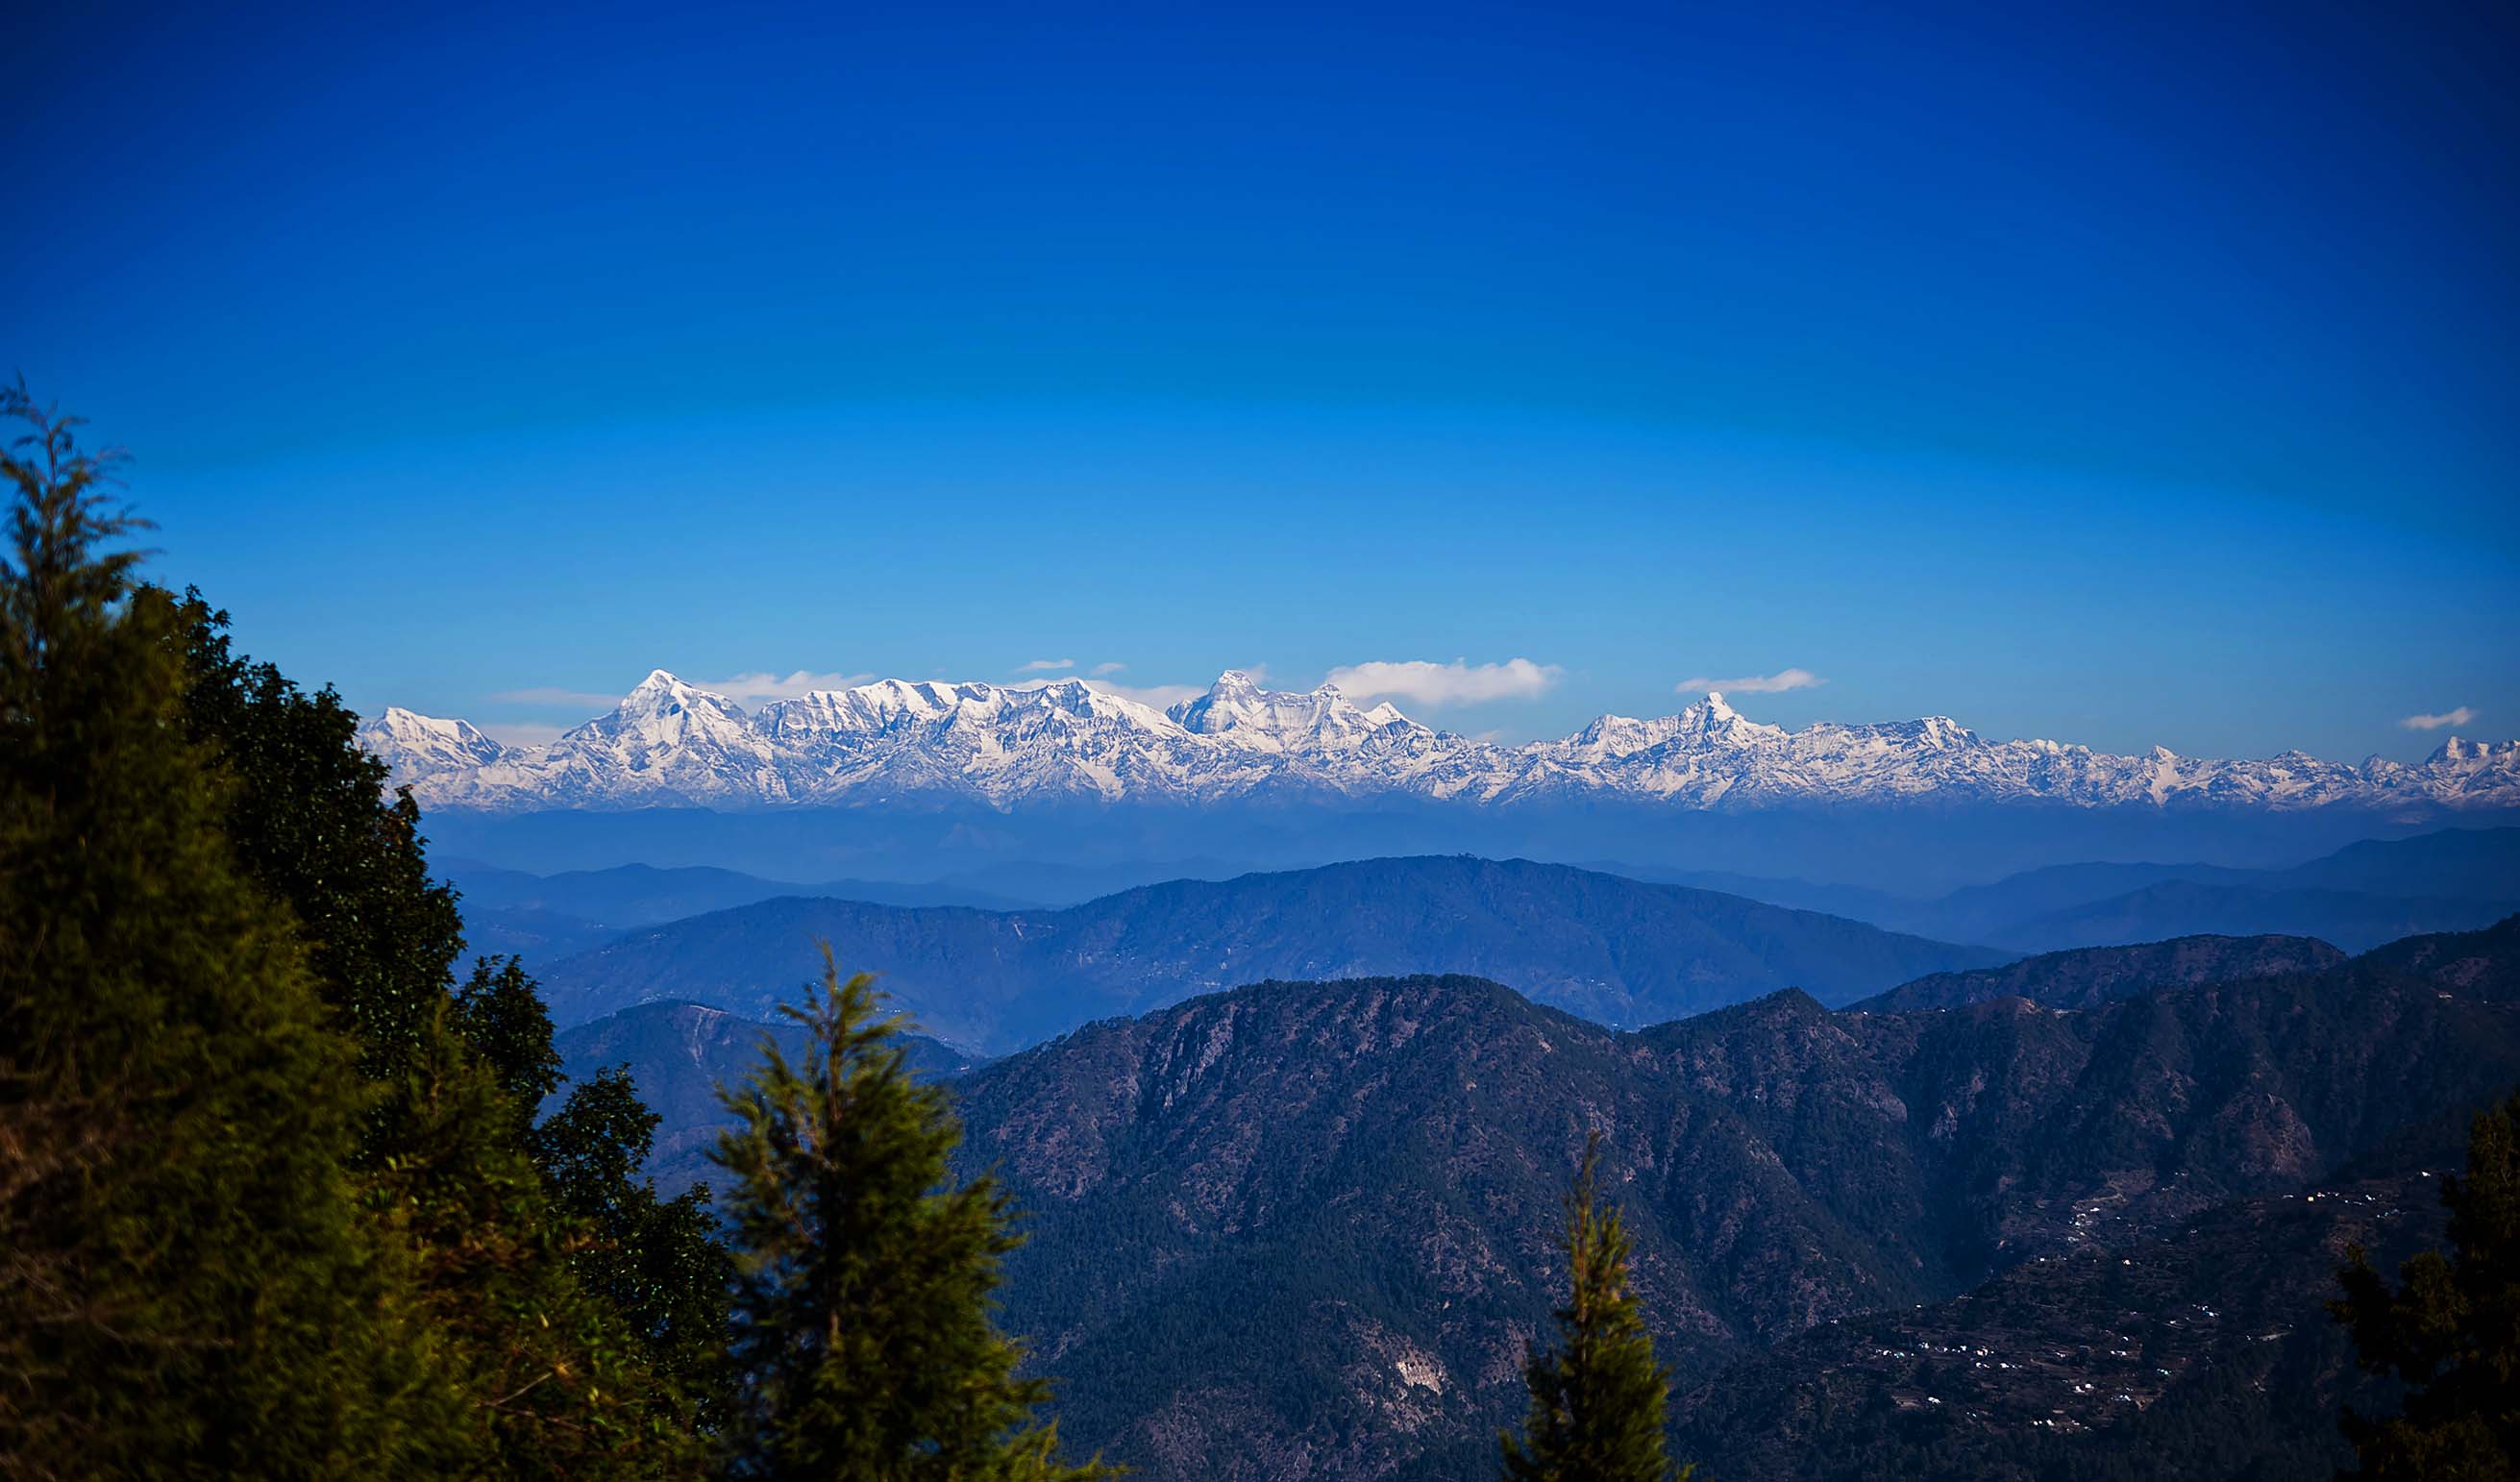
186,1287
1598,1400
863,1330
578,1342
2453,1331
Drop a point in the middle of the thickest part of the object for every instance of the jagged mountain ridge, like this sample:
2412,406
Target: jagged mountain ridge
672,743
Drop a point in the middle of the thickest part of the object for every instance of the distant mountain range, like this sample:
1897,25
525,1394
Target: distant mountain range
669,743
1617,951
2453,879
544,918
2374,891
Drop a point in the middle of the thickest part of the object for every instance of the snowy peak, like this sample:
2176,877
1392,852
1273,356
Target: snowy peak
1237,708
662,697
1711,720
410,741
669,742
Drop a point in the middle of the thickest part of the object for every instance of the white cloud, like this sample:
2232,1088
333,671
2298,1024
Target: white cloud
1099,670
2459,717
1047,665
1433,685
1159,696
1754,684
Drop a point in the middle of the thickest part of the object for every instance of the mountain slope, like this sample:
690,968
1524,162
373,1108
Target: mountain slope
2088,976
1613,950
680,1053
1303,1229
670,743
2203,1355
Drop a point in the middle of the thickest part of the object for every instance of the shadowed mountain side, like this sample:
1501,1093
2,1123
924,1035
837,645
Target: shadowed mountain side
2087,976
680,1053
2206,1354
1304,1229
2480,965
1616,951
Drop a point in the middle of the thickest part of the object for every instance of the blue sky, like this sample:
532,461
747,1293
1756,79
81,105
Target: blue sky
2122,375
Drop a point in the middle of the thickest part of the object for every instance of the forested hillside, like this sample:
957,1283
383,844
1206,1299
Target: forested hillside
1306,1225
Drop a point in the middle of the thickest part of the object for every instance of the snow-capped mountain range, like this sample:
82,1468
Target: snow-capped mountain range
670,743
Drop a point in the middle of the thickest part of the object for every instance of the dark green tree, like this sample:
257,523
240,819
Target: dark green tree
567,1364
187,1288
499,1012
1598,1400
863,1331
555,1381
2452,1331
310,820
658,1261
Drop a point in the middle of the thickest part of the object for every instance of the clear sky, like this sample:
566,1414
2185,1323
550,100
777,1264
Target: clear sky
2123,374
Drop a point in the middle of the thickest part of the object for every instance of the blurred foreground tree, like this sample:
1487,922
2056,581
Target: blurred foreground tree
2452,1331
187,1288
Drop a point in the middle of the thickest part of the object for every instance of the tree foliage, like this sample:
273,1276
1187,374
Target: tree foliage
562,1375
309,817
658,1261
1598,1400
272,1199
2452,1331
864,1278
187,1287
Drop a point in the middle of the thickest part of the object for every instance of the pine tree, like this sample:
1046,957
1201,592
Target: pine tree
186,1287
863,1331
1597,1402
2453,1331
573,1351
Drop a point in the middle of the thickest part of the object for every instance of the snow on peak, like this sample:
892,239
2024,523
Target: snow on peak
412,744
669,742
